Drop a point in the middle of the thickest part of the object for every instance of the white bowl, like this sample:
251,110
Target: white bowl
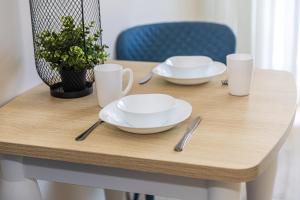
189,62
146,110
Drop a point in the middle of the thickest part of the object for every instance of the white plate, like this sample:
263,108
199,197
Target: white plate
201,75
112,115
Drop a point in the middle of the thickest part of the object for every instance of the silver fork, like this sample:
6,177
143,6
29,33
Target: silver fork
86,133
224,82
146,78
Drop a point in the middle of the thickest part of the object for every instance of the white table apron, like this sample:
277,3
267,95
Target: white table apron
20,175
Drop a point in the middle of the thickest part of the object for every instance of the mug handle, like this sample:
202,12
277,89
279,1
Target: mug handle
130,80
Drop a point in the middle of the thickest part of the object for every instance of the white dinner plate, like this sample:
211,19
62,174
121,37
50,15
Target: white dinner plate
203,74
113,116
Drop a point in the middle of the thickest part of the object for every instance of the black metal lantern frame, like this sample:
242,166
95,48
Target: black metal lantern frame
46,15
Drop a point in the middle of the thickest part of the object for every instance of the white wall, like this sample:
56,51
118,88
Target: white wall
236,14
17,72
118,15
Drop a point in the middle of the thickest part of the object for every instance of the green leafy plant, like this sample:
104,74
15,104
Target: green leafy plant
74,47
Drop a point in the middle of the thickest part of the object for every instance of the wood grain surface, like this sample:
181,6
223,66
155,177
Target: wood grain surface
236,140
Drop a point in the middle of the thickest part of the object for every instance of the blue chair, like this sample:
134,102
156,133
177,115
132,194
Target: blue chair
157,42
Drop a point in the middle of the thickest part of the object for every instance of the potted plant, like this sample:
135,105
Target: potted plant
71,51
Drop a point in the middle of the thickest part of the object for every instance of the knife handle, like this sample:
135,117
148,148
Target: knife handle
179,147
181,144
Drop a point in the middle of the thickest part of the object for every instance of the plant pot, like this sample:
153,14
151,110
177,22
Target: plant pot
73,81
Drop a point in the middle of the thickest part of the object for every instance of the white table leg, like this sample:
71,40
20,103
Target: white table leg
13,185
223,191
262,187
114,195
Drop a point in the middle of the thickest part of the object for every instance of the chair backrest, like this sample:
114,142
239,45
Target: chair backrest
157,42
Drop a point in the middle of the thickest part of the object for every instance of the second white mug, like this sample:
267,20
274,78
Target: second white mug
109,82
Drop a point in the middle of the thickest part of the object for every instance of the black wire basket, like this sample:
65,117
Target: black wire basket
46,15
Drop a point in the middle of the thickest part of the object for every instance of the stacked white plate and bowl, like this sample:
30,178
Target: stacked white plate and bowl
146,113
153,113
189,70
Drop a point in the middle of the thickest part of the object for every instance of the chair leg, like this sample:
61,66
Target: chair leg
149,197
136,196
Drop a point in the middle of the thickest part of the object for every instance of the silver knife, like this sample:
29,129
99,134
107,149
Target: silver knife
189,132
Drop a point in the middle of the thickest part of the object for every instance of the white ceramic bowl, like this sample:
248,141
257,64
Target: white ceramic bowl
146,110
189,62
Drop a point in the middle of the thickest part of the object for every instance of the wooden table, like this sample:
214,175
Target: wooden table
237,141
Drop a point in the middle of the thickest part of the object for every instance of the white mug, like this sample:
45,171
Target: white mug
109,82
240,72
